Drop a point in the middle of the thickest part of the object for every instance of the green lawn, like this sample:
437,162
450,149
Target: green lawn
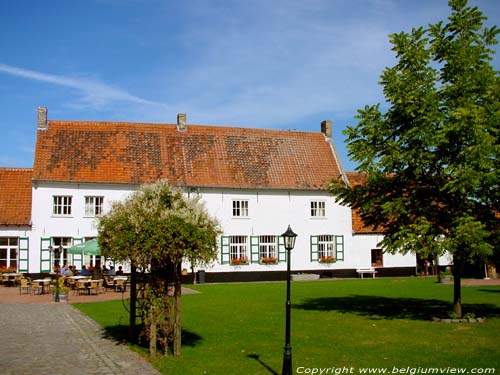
239,328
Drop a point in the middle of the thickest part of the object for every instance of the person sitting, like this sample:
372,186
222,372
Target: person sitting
120,271
85,271
64,269
69,272
111,271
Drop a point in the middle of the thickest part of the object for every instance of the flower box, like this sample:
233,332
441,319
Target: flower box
239,261
327,259
268,260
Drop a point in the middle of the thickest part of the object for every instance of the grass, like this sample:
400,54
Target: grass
239,328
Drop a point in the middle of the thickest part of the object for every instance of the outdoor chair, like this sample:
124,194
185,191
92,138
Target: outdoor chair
93,287
24,284
37,288
80,287
120,285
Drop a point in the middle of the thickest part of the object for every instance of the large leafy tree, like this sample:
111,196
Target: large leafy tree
432,159
156,229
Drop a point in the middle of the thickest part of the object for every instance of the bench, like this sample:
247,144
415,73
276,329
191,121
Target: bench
362,271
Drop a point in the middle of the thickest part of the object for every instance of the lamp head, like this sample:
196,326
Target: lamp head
289,237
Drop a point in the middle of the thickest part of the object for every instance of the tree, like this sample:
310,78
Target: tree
156,229
432,159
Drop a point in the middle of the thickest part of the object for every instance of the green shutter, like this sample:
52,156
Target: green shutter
224,250
77,259
281,249
45,256
314,249
24,250
254,249
339,247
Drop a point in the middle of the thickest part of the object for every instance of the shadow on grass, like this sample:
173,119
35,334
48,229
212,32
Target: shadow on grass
378,307
265,365
119,333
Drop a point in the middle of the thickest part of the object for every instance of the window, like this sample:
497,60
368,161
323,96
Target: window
240,208
62,205
66,243
267,249
93,206
238,249
327,248
8,252
377,259
318,209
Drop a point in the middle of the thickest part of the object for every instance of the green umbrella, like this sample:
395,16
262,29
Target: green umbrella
90,247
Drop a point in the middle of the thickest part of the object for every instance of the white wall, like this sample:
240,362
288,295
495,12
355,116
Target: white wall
270,212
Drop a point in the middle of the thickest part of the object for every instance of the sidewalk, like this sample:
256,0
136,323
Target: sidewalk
40,337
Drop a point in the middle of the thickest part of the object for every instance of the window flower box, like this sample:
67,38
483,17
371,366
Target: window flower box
327,259
269,260
239,261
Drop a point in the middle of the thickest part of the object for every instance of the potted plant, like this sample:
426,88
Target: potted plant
445,276
60,289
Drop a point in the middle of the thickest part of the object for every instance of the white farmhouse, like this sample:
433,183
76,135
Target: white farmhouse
255,181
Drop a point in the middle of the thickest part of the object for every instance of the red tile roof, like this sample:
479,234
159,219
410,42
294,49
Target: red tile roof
201,156
15,196
358,226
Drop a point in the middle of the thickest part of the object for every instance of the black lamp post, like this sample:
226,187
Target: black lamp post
289,239
57,254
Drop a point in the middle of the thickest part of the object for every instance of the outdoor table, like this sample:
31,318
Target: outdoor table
10,278
78,277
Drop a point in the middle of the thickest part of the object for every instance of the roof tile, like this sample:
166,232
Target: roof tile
203,156
15,196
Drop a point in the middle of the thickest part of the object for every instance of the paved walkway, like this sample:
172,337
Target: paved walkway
39,337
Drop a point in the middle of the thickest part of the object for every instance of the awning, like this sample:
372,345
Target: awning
90,247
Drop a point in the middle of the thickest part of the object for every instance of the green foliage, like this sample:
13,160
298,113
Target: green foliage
158,222
432,160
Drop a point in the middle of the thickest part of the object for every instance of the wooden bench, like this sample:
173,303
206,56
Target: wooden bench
362,271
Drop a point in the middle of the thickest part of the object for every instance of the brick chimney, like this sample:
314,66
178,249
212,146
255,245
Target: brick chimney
181,121
326,128
42,123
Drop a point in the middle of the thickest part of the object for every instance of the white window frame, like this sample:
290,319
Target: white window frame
240,208
318,209
62,205
93,205
238,249
268,248
10,246
326,246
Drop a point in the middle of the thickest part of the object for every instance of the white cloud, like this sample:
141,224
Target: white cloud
92,93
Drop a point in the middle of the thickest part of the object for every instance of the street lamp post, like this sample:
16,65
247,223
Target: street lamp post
289,239
57,253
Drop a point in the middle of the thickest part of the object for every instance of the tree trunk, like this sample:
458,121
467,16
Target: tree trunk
152,332
457,291
177,309
133,301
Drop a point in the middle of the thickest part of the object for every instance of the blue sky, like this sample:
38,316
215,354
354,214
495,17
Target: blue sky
276,64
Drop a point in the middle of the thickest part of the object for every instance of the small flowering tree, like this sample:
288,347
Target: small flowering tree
155,229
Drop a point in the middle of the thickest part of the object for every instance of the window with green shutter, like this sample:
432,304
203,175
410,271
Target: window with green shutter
327,248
